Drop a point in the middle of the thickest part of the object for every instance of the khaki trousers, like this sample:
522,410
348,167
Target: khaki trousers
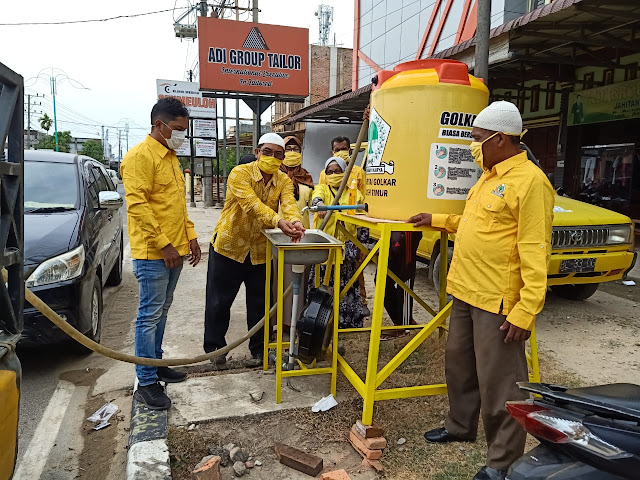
481,372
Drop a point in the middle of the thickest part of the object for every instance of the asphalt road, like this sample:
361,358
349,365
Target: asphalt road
42,369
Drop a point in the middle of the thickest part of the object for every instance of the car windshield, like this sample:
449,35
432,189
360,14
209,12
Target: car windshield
50,187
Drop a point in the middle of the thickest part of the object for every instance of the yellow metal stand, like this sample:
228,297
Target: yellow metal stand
335,254
379,254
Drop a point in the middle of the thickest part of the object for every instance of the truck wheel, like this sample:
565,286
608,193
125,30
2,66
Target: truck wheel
575,292
435,269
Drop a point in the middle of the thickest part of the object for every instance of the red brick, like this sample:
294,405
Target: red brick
374,443
369,431
336,475
298,460
209,471
362,449
377,464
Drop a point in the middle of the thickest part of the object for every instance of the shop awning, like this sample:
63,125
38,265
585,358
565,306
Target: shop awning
550,42
343,108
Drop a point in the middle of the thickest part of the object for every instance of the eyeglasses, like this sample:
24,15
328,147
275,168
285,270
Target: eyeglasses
293,148
270,153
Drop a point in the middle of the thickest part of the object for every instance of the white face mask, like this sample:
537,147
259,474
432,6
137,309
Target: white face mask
176,139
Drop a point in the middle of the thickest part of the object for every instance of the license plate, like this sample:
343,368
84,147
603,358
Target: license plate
578,265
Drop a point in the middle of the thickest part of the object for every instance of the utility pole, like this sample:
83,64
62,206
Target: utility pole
28,122
481,69
255,10
55,118
126,129
104,154
203,8
192,163
119,146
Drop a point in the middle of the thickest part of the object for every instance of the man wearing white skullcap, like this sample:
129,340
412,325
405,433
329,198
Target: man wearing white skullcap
498,280
237,253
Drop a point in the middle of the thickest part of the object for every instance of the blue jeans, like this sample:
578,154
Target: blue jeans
157,284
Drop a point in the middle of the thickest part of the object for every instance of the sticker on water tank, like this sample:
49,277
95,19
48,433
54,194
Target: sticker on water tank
452,172
378,135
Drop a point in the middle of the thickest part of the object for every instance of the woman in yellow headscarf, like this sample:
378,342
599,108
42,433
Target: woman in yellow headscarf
351,308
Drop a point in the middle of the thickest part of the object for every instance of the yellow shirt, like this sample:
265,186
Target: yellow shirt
356,172
503,241
250,207
304,200
327,194
156,206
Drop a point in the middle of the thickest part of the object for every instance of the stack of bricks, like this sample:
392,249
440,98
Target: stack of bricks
369,442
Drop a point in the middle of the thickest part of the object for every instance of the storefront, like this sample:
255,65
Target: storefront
603,142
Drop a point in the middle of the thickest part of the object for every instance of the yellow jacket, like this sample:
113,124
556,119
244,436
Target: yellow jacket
304,200
250,207
503,241
326,194
156,206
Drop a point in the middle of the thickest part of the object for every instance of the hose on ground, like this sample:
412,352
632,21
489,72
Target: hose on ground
43,308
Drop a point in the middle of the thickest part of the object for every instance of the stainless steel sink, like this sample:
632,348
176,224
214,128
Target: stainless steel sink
300,254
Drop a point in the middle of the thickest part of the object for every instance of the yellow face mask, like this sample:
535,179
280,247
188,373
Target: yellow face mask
335,179
292,159
476,151
343,154
269,165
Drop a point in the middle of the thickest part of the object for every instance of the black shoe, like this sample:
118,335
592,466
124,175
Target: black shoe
488,473
254,361
441,435
153,397
221,360
169,375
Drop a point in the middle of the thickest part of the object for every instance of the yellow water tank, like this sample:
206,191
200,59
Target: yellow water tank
418,157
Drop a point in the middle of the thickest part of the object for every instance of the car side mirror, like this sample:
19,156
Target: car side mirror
109,200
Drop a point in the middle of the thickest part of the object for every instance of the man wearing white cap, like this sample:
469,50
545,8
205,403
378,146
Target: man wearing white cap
498,280
237,253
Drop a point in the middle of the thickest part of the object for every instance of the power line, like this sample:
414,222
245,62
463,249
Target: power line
94,20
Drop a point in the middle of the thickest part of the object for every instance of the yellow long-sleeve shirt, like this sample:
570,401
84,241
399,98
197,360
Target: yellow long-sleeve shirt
326,194
156,206
251,206
503,241
356,172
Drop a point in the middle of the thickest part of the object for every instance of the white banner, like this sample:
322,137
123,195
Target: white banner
189,94
206,148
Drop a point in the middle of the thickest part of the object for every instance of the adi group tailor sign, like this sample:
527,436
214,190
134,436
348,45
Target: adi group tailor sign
189,94
253,57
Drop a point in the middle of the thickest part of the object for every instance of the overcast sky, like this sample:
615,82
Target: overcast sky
120,60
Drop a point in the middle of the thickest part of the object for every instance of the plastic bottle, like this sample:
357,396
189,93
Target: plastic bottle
353,191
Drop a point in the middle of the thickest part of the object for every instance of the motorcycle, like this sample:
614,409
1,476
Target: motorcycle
588,433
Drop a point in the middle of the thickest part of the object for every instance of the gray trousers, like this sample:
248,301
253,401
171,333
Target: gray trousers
481,372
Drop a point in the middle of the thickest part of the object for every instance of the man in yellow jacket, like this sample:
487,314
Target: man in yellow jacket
238,250
498,280
160,236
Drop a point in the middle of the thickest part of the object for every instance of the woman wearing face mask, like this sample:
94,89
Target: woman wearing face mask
301,178
351,308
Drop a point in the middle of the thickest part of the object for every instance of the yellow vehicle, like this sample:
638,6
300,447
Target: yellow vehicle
591,245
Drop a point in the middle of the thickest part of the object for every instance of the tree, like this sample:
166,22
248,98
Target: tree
46,122
49,142
93,149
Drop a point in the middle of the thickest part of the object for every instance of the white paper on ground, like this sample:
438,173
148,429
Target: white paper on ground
628,283
324,404
104,413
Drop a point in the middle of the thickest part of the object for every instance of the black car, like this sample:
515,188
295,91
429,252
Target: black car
73,242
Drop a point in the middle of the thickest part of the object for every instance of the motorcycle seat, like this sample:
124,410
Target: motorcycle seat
625,395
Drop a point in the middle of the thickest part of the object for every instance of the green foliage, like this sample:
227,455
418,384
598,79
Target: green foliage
93,149
46,122
49,142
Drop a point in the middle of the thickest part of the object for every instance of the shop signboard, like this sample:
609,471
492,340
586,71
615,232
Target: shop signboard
619,101
185,149
205,148
189,94
253,57
204,128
